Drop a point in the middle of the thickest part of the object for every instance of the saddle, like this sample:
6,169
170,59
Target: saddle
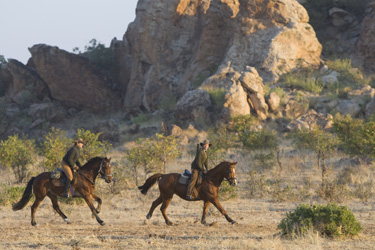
58,177
186,176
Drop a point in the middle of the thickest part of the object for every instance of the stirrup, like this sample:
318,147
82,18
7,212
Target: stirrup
189,198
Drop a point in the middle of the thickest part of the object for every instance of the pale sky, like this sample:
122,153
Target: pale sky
63,23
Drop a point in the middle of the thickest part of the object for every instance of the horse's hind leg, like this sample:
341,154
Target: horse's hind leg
56,207
164,209
156,203
33,210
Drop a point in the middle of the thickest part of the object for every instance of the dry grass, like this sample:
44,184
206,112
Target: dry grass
126,227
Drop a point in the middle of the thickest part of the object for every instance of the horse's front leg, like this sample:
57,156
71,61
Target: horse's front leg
99,201
93,210
206,204
221,210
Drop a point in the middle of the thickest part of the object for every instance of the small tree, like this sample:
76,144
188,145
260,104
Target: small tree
357,138
93,146
221,139
166,147
17,153
143,155
54,148
320,142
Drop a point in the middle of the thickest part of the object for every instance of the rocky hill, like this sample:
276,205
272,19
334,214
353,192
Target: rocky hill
172,60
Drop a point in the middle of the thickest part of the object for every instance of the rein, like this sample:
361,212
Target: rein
103,175
219,178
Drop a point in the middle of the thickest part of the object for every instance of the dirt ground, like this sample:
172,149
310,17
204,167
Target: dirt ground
126,227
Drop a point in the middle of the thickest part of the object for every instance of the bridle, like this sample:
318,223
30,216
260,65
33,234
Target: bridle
103,175
231,180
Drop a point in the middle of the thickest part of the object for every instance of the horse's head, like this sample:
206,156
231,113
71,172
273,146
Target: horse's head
105,170
230,174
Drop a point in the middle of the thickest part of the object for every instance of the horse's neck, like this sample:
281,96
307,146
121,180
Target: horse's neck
91,171
217,174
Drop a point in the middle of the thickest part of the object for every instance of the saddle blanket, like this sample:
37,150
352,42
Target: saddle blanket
186,176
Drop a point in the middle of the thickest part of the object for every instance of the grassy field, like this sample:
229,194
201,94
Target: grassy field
258,208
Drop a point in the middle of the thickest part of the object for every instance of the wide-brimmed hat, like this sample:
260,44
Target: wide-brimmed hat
79,140
206,142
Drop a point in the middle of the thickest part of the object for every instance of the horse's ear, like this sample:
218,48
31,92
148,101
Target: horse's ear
109,159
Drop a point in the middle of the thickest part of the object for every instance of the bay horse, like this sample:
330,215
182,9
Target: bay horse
83,186
207,190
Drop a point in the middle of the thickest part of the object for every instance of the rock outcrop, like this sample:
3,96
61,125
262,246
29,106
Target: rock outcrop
176,44
74,81
365,45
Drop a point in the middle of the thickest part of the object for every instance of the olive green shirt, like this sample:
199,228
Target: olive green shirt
201,160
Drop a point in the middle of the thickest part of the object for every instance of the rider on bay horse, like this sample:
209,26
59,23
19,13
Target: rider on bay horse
68,164
199,164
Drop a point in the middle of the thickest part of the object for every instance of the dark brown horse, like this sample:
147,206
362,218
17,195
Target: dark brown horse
83,186
207,190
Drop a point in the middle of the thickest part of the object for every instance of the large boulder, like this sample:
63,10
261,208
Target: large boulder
176,44
24,85
366,42
74,81
194,106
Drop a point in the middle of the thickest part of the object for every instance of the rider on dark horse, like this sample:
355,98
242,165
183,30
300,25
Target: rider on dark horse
200,164
68,164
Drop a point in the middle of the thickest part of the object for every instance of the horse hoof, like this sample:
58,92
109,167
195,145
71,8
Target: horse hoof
67,221
148,217
211,224
169,223
102,223
34,224
234,222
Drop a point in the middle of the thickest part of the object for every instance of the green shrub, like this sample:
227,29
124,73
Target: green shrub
168,102
17,153
140,119
329,220
260,140
10,194
98,54
264,160
350,76
304,80
227,192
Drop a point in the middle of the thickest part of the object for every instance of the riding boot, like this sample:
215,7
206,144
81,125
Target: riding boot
66,188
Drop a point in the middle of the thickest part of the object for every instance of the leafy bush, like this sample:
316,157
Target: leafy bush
260,140
329,220
54,147
242,123
17,153
356,137
227,192
349,75
10,194
304,80
97,53
140,119
217,96
93,146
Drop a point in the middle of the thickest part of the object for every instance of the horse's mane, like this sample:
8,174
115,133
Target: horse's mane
91,161
219,165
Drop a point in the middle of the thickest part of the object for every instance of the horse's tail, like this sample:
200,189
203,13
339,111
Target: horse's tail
149,183
25,197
